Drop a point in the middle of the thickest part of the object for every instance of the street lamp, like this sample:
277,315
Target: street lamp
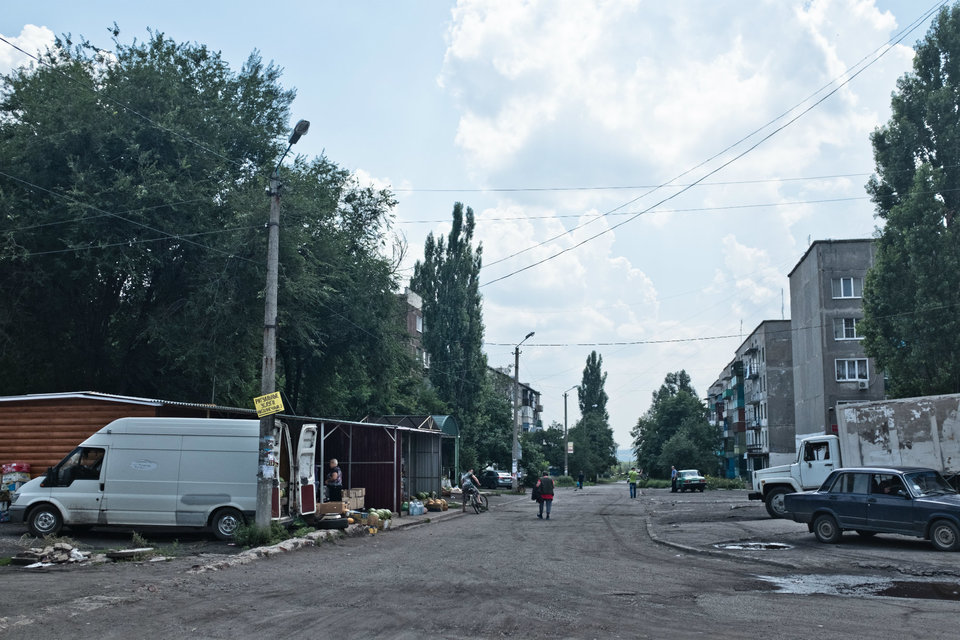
516,410
566,447
268,378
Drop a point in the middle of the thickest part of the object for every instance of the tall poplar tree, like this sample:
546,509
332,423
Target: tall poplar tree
912,294
594,449
448,281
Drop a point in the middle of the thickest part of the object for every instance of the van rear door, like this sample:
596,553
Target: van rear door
305,489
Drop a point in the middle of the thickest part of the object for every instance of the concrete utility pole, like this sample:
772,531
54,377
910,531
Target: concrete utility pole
268,380
566,469
516,411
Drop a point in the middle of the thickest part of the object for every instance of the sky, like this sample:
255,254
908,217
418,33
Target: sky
644,174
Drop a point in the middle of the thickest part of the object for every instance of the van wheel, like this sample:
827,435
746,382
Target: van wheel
226,522
44,521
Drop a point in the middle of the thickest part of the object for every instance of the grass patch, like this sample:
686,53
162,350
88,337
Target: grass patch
5,562
653,483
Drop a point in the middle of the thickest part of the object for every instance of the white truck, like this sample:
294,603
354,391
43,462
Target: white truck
914,432
181,472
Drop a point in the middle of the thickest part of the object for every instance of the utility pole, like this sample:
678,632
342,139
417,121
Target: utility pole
566,447
268,380
516,411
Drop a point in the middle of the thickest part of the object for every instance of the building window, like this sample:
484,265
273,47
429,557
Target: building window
854,369
420,324
846,329
847,287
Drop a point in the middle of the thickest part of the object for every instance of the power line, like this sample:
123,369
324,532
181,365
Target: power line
103,212
876,56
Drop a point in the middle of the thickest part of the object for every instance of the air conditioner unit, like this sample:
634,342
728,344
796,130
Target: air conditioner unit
863,385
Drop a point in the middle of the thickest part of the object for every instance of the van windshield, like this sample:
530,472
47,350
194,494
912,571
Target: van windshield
83,463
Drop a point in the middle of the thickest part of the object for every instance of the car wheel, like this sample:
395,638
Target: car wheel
226,522
866,534
944,535
775,504
45,521
826,529
701,489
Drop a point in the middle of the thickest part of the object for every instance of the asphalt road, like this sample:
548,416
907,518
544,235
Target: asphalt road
604,566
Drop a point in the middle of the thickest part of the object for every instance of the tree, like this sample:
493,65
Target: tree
594,449
448,281
674,431
132,238
912,294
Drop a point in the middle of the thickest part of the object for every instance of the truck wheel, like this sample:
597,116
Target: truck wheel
775,504
944,535
226,522
45,521
826,529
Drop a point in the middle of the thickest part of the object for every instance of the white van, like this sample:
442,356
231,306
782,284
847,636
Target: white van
182,472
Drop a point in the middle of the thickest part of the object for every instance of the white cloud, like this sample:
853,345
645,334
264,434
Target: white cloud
32,39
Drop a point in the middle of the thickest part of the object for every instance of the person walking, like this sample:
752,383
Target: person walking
632,481
545,487
673,479
580,480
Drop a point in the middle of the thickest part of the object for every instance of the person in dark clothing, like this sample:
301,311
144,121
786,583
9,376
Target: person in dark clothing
334,482
545,490
580,480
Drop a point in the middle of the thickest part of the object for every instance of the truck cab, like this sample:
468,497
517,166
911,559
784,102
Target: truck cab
817,457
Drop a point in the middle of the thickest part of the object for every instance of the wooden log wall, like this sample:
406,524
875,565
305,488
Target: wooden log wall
42,432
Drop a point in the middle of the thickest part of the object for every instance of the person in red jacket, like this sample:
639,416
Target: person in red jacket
545,490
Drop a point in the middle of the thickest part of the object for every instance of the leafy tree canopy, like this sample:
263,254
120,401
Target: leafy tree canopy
594,450
674,431
912,294
132,238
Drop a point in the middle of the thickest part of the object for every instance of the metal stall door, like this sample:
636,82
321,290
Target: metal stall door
305,489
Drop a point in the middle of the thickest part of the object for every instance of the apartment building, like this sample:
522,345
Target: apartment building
826,308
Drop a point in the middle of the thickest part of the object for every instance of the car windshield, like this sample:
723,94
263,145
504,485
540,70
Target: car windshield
928,483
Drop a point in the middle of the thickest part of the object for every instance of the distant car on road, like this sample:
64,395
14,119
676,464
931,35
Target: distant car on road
912,501
493,479
690,480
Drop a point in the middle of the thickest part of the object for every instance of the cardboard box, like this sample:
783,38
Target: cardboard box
331,507
355,503
354,493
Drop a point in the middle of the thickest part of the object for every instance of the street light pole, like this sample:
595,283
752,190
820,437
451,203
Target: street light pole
268,379
516,411
566,447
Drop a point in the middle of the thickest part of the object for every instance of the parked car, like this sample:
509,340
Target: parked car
913,501
690,480
493,479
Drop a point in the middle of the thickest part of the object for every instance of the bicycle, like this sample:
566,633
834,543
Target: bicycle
478,501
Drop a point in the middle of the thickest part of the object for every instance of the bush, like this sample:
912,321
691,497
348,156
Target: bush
250,535
653,483
725,483
564,481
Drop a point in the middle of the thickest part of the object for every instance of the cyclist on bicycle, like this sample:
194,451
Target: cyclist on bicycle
469,483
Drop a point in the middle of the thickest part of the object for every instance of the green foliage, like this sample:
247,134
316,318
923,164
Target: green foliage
653,483
912,294
564,481
674,431
447,279
135,265
594,450
250,535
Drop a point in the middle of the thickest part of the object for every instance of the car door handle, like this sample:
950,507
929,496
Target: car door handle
871,499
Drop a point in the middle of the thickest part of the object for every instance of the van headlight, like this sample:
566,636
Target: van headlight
14,497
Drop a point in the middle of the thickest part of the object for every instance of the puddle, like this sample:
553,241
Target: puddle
842,585
753,546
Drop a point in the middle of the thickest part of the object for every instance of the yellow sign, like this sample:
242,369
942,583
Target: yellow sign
268,404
